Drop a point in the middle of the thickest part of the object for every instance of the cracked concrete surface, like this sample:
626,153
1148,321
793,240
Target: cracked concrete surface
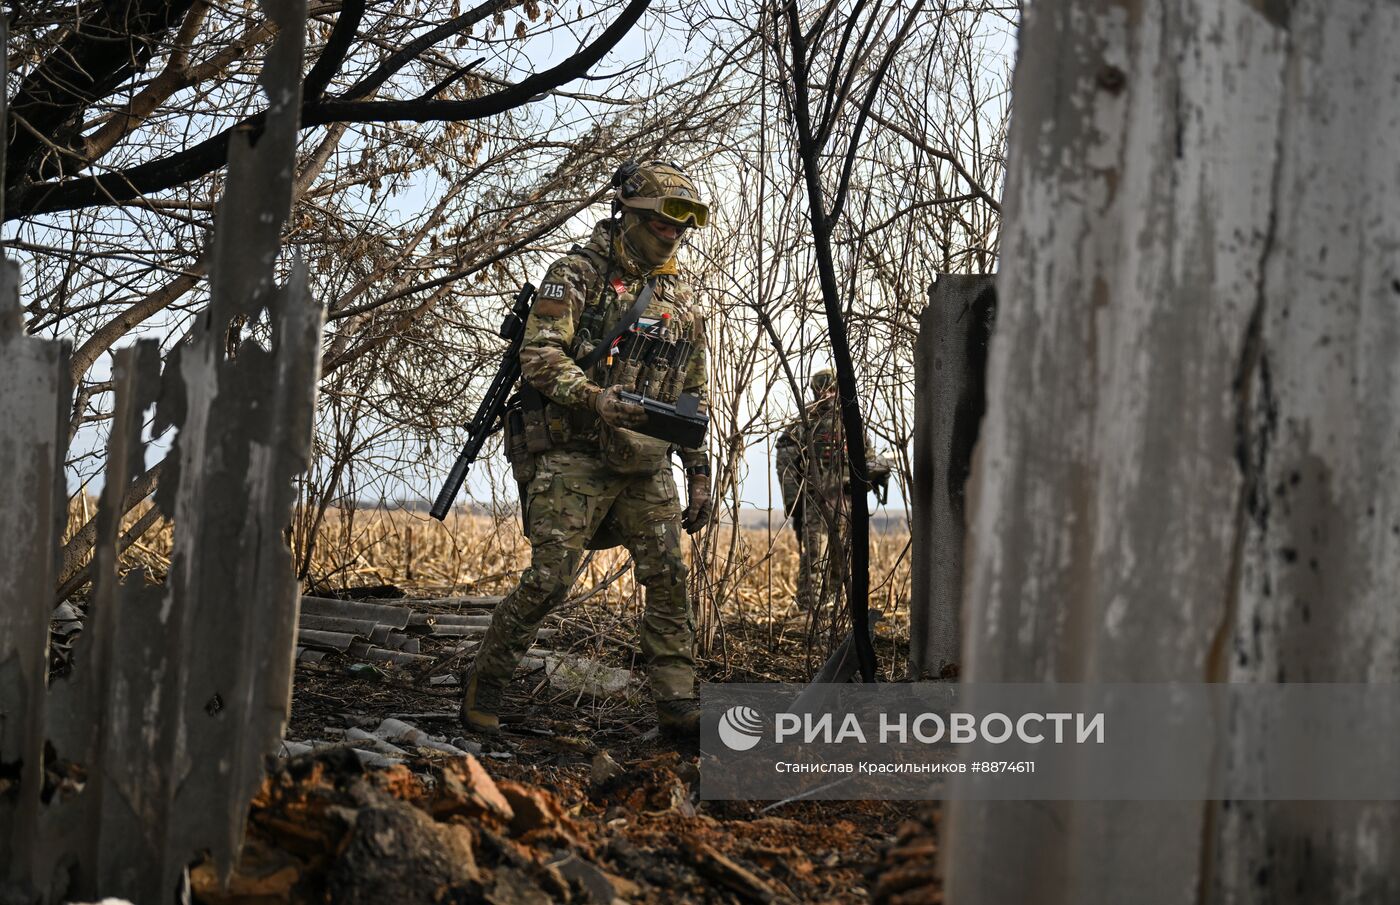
1188,467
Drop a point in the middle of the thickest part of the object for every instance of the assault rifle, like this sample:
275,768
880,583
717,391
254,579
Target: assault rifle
488,414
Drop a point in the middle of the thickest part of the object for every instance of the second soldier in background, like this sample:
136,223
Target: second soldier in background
811,459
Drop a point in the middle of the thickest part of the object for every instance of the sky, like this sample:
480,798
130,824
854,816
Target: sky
649,41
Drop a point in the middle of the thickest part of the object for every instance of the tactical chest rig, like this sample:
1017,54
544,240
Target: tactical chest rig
650,361
647,356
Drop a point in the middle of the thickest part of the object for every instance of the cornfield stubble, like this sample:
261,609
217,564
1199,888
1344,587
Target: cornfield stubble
743,582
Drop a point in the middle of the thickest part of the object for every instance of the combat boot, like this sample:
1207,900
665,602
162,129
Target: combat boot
481,704
679,719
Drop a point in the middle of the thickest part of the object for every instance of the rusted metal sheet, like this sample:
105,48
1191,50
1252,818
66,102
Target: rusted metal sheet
179,690
1188,468
950,360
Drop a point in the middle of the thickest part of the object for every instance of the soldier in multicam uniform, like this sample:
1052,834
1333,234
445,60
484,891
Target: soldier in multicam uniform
587,479
811,462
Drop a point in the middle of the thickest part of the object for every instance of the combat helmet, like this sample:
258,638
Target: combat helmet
822,382
655,189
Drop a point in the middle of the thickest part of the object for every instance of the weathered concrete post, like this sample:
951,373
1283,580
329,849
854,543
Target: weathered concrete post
950,362
1190,465
179,690
33,439
33,402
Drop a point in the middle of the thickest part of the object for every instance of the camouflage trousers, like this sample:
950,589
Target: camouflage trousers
822,564
570,496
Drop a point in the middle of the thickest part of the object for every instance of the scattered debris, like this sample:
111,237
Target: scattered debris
725,871
581,675
393,852
393,742
465,788
907,874
373,654
597,885
364,671
369,742
400,732
382,632
440,828
66,620
576,800
535,810
322,829
604,768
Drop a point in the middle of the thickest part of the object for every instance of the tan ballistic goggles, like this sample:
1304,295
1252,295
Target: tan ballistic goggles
680,211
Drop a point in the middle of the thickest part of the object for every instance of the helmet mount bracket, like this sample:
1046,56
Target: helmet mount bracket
657,190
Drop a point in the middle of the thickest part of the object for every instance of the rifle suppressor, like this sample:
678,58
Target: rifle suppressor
488,414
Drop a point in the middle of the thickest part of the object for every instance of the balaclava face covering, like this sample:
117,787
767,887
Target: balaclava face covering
643,245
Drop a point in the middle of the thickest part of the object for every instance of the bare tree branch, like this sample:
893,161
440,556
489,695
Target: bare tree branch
212,153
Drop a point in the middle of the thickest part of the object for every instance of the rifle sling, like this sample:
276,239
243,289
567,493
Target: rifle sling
623,324
534,400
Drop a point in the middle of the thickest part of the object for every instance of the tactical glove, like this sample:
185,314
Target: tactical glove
618,412
698,509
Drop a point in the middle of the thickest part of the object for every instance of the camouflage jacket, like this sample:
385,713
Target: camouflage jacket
820,445
581,296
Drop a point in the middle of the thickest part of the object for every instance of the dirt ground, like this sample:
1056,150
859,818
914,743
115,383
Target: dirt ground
597,807
576,800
